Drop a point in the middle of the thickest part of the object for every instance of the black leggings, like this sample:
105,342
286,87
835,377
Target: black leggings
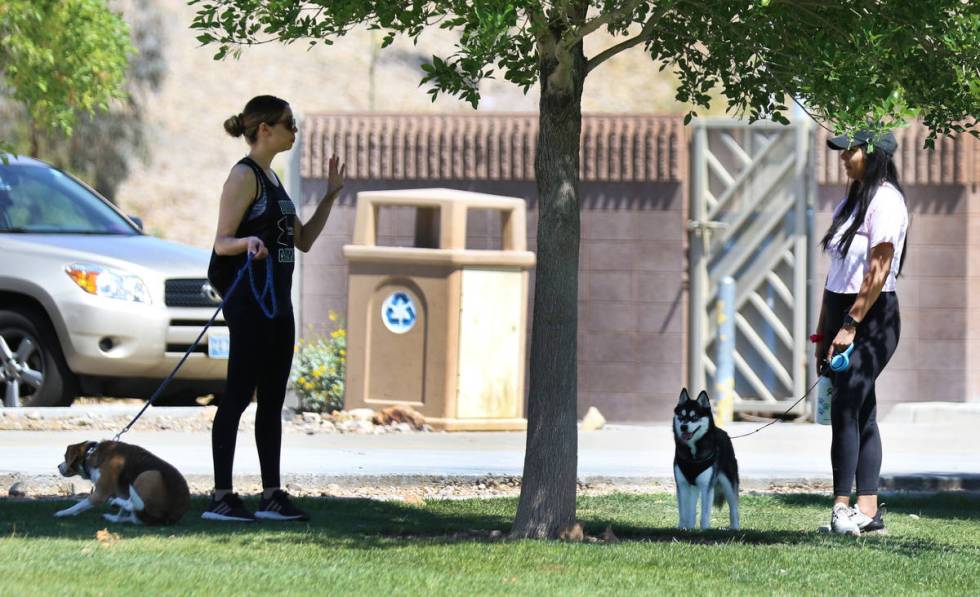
260,357
855,450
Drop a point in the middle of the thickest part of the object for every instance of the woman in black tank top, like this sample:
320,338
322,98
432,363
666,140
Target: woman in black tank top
258,217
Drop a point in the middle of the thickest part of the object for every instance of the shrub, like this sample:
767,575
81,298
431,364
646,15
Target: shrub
318,369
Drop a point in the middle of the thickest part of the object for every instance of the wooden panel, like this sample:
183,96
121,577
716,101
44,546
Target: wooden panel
490,355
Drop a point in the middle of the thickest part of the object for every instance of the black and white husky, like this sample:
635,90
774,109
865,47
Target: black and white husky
703,459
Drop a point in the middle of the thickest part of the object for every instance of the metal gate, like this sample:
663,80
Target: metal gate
752,189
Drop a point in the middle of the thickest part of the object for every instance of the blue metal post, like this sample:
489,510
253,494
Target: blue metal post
724,400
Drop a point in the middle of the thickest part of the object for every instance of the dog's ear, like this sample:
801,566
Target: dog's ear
71,454
703,399
75,453
684,397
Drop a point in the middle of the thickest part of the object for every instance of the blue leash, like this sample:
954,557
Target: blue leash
260,298
268,290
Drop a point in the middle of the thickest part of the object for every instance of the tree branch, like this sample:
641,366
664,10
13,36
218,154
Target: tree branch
602,20
774,72
643,36
610,52
808,113
538,19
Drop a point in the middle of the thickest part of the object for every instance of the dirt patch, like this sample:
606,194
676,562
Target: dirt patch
415,490
102,416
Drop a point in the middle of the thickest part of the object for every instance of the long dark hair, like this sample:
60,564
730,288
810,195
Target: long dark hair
878,169
261,108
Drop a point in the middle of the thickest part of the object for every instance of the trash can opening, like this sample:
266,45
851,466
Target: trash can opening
407,226
484,229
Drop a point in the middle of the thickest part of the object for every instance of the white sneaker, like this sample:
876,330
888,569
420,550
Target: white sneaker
841,521
860,518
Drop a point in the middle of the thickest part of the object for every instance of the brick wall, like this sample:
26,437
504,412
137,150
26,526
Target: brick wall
632,294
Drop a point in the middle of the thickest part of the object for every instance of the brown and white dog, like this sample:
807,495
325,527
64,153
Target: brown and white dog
147,489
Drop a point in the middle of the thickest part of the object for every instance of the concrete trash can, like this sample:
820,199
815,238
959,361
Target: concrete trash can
438,326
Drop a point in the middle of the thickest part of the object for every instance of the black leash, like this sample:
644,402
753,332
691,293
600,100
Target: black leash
258,296
785,413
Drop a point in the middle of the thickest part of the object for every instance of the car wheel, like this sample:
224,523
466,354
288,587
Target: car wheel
33,371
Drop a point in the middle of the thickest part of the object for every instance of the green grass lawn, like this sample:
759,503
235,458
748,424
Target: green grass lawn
444,547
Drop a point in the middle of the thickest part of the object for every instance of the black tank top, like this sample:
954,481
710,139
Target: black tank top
270,217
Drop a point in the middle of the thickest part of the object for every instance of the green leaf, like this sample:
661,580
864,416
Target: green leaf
887,61
62,58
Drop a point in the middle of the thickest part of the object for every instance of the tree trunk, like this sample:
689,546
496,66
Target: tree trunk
547,502
35,141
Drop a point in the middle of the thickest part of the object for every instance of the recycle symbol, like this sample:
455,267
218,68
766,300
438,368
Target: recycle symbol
398,312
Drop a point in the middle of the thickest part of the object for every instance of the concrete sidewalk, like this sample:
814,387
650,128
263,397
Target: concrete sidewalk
916,456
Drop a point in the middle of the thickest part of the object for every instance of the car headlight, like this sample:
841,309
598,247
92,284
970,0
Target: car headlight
108,282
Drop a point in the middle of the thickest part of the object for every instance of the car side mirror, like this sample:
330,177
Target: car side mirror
138,221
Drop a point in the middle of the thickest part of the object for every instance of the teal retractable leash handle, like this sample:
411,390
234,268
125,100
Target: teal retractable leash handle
842,360
270,313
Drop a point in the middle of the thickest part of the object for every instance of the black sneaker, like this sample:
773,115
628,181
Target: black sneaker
280,507
228,508
877,523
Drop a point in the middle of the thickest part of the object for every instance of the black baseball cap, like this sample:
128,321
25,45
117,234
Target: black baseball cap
884,141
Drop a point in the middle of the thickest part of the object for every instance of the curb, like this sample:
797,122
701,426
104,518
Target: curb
934,412
925,483
969,482
74,412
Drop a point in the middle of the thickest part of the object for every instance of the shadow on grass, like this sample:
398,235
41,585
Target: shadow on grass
368,524
331,517
947,505
906,546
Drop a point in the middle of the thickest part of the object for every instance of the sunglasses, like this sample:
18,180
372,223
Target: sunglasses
290,123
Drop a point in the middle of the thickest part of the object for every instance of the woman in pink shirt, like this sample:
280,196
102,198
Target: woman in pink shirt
866,245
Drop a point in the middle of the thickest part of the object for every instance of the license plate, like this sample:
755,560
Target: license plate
218,344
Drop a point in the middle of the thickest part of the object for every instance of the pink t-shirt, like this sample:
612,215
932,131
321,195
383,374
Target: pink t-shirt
886,221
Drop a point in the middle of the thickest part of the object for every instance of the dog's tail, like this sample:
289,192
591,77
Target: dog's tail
719,497
135,499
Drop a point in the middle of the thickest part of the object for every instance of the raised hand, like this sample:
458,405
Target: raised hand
335,175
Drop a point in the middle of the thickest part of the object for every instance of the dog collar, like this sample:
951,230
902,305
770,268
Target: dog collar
88,452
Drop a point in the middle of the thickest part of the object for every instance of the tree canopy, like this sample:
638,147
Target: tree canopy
846,62
62,57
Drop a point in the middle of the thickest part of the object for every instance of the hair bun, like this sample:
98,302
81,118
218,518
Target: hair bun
235,126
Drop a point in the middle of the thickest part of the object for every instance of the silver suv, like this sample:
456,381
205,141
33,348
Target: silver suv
89,305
